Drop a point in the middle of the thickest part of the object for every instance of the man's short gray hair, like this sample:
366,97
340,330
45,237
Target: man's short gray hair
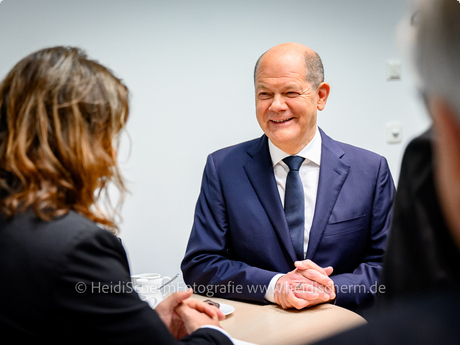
437,50
313,66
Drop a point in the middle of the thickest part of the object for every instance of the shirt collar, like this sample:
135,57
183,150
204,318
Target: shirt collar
311,152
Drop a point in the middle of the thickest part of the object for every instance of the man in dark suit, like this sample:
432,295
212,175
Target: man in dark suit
244,245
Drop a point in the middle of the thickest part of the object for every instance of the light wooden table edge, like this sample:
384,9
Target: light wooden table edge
320,323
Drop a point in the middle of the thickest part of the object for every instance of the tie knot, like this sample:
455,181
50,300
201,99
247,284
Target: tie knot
294,162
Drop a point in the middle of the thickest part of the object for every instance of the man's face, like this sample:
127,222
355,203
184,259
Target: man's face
286,104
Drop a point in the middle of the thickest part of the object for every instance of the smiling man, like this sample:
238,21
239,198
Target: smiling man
287,99
294,217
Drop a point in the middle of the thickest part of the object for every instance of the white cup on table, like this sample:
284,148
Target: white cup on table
147,285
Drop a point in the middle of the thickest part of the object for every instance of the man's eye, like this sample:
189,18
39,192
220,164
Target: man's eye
264,95
292,94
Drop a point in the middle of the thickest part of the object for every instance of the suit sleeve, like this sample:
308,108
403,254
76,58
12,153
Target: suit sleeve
95,299
357,290
208,266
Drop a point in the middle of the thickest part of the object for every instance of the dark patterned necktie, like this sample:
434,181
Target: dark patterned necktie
294,204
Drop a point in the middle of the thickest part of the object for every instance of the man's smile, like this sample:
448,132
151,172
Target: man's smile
281,121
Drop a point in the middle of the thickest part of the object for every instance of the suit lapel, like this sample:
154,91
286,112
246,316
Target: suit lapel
259,170
332,175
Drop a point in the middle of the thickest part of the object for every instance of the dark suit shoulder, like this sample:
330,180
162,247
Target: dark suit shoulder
418,156
46,260
239,149
359,152
47,242
349,153
361,159
227,159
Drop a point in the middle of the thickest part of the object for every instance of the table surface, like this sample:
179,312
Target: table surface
270,324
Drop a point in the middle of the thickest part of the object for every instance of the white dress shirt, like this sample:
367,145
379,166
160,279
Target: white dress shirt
309,175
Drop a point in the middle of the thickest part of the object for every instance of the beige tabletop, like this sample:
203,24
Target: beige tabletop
270,324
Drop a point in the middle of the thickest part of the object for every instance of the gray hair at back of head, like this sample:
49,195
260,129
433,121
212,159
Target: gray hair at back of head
315,69
437,50
313,66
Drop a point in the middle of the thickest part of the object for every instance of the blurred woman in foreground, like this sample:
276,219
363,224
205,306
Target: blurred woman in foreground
65,278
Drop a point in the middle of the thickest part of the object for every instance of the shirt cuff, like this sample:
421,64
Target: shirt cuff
270,294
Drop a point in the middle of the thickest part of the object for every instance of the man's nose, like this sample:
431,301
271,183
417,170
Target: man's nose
278,104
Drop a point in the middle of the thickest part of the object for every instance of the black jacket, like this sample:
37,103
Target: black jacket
67,280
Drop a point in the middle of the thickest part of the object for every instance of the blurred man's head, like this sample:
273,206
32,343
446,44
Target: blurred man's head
437,60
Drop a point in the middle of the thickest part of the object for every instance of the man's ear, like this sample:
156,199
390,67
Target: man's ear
323,93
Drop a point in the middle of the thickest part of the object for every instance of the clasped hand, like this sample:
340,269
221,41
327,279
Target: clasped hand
183,316
307,285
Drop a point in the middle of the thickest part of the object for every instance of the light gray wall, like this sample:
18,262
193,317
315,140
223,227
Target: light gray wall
189,67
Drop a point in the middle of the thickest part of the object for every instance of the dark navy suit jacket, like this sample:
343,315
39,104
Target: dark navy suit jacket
240,238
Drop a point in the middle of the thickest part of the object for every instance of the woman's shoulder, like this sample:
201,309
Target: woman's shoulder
53,237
